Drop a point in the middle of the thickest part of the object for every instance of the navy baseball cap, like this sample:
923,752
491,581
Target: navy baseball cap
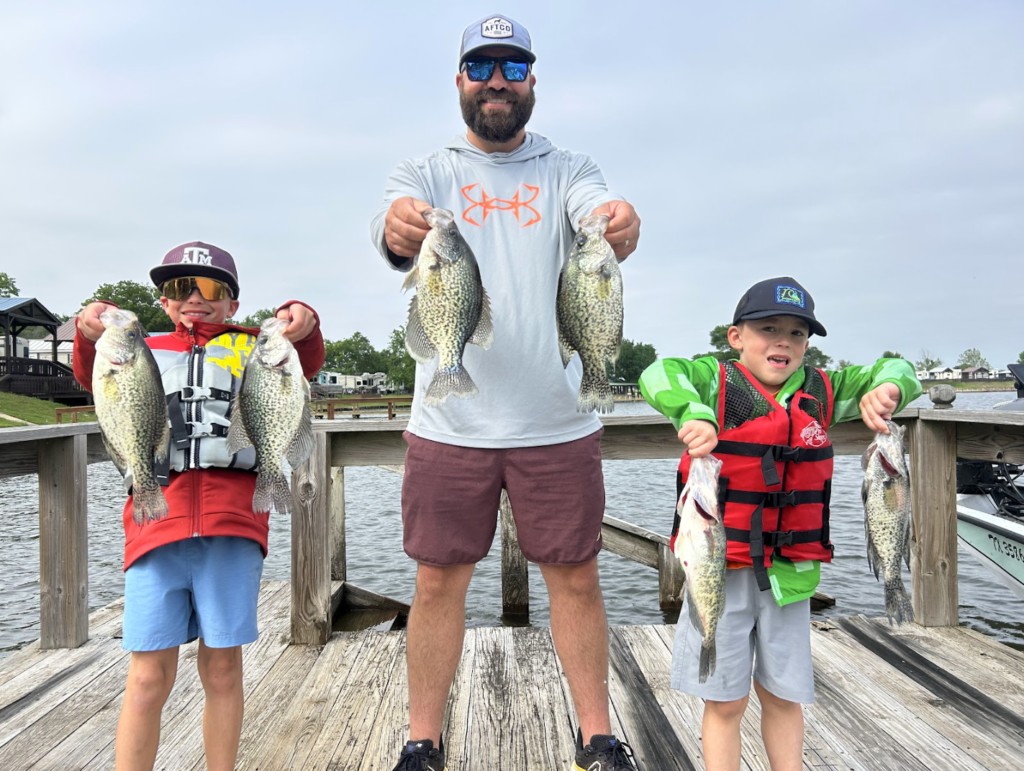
778,297
495,30
197,259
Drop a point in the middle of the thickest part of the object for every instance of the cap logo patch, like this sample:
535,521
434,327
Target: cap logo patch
496,28
789,295
196,255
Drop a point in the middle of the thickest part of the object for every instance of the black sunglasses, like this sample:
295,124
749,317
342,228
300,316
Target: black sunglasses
481,68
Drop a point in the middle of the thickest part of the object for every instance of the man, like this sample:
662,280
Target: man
517,200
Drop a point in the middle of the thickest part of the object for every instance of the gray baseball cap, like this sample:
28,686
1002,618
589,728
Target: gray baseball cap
197,259
495,30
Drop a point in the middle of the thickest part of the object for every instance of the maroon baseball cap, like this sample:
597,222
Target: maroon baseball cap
197,259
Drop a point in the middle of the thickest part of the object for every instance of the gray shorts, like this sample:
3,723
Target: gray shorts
755,636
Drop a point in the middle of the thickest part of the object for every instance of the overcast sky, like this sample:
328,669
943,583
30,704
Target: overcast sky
873,150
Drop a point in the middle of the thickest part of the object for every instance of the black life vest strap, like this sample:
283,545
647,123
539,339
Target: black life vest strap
777,499
775,538
769,453
179,428
203,393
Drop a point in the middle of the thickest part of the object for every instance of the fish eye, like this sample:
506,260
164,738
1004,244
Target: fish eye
453,232
581,239
261,339
131,335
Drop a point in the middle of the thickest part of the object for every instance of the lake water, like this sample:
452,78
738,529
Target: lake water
640,491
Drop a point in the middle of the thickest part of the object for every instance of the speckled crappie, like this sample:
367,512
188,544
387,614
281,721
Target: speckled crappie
131,409
886,495
700,546
450,308
589,311
272,413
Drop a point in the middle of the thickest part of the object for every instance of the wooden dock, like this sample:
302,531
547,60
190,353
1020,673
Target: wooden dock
907,698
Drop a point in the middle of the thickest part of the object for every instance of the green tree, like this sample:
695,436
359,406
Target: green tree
634,358
353,356
7,286
1020,358
815,357
398,364
927,361
892,355
255,318
972,358
720,342
844,363
140,299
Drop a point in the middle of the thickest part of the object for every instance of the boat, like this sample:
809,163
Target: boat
990,508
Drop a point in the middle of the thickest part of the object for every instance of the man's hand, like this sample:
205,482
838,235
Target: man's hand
878,405
700,437
301,321
404,226
623,227
89,323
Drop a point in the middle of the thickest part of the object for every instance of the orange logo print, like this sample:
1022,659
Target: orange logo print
487,204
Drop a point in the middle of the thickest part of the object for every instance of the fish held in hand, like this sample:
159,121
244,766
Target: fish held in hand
589,311
450,309
272,414
131,409
887,522
700,546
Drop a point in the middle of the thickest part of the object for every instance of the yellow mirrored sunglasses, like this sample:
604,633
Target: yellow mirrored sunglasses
209,288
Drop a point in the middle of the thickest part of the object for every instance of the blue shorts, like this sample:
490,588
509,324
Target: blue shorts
199,587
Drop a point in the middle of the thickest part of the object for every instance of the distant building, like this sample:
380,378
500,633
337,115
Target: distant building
976,373
43,349
19,348
337,382
943,373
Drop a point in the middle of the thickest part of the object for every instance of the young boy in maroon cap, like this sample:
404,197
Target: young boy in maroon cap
195,573
766,418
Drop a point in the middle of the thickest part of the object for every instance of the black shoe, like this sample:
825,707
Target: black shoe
421,756
604,753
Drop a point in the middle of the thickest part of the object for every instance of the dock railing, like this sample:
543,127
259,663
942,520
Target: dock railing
935,439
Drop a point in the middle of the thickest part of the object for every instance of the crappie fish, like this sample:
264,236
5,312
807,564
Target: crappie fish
272,413
450,308
589,311
131,409
886,495
700,547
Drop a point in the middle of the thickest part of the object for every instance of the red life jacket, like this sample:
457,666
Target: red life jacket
776,473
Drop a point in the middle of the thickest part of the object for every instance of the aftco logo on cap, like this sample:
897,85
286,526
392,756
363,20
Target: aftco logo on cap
496,27
196,255
789,295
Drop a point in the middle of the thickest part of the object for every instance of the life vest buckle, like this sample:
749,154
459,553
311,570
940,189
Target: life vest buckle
787,454
779,538
780,499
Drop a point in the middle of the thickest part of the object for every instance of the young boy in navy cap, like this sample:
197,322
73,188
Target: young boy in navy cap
766,418
196,573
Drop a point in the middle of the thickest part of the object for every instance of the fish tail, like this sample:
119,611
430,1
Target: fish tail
272,492
454,381
595,393
148,502
708,658
898,606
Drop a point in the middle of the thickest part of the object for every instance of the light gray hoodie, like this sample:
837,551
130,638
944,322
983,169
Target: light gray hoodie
518,211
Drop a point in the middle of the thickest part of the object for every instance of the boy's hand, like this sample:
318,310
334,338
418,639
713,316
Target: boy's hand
89,323
878,405
404,226
301,321
700,436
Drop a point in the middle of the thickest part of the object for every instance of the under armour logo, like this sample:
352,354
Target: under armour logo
196,255
486,204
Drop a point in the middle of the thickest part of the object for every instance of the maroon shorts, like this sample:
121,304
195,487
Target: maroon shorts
451,495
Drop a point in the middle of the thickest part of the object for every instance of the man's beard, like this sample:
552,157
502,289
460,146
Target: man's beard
497,126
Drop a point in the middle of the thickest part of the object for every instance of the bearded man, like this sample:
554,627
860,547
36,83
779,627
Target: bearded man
517,201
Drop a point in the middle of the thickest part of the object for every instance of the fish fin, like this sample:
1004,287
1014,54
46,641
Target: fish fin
272,492
898,606
302,445
238,437
119,462
565,348
708,659
163,443
694,616
874,561
411,278
416,341
148,502
483,335
595,393
454,383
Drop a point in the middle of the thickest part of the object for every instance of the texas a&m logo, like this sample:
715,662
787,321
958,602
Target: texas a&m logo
196,255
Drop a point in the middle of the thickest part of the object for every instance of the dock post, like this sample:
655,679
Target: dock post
670,579
339,565
933,565
515,577
311,547
63,543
